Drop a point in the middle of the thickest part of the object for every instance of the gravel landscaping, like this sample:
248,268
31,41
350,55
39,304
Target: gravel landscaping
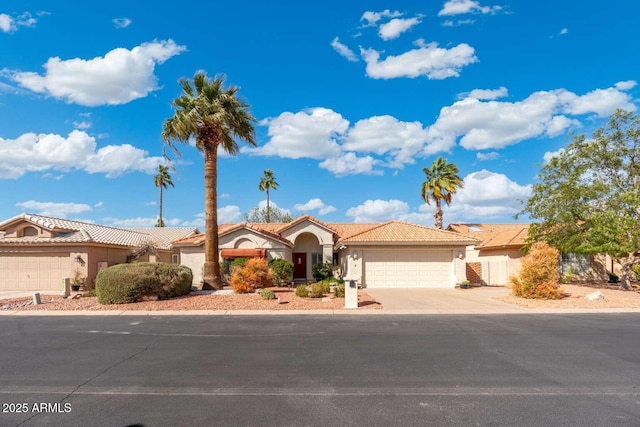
575,295
200,300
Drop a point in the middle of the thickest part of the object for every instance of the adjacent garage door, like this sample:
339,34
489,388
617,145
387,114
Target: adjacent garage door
33,272
408,269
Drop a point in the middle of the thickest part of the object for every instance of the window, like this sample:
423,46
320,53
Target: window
336,258
175,259
316,258
30,232
574,263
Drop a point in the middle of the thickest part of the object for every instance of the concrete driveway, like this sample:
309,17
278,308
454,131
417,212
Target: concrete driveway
439,301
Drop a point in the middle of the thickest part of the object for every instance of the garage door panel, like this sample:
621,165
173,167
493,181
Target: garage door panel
408,269
27,272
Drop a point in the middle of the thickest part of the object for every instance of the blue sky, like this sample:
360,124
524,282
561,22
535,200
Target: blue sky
353,100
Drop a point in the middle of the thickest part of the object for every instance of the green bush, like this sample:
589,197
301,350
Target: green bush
338,291
267,294
318,290
126,283
281,270
302,291
636,271
322,271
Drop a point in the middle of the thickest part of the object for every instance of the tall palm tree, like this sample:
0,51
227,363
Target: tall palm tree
214,115
441,183
268,181
162,180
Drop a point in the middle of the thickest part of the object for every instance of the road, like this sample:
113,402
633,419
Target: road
375,370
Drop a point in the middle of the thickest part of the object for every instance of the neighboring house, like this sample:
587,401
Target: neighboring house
37,252
497,258
393,254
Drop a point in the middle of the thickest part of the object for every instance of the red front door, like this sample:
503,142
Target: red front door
299,265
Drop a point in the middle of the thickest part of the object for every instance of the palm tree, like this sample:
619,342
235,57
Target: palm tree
441,183
268,181
214,115
162,180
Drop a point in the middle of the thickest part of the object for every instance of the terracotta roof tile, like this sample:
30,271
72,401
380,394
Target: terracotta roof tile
494,235
398,231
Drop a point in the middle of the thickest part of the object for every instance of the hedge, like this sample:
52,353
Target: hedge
126,283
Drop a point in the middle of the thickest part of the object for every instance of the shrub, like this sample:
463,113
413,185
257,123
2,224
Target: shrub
539,274
636,271
338,291
268,294
281,270
254,274
322,271
613,278
318,290
302,291
126,283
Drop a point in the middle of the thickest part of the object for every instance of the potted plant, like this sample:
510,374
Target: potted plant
77,281
464,284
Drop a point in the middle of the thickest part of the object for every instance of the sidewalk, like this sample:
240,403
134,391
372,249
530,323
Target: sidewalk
479,301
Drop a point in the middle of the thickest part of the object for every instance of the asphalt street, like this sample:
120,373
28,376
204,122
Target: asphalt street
485,370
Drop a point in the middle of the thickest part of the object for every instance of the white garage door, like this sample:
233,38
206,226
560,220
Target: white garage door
33,272
408,269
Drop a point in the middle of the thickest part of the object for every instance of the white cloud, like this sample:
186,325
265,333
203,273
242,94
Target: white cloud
551,154
119,77
315,204
392,29
351,164
58,210
312,133
343,50
378,210
501,92
39,152
115,160
564,31
487,195
459,7
229,214
10,24
372,18
83,125
401,141
626,85
427,60
121,22
493,124
493,155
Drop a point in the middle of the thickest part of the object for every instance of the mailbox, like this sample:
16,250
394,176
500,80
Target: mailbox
353,284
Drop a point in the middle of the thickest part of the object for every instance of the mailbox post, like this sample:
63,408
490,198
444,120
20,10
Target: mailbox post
351,292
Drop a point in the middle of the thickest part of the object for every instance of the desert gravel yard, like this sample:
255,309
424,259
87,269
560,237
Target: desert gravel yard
575,298
200,300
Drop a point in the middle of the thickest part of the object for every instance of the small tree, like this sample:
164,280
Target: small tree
587,199
267,214
539,275
254,274
442,182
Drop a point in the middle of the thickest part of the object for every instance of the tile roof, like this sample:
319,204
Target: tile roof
70,231
494,235
399,231
389,232
163,236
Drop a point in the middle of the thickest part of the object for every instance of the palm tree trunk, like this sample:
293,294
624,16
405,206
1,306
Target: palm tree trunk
438,215
268,210
212,278
160,221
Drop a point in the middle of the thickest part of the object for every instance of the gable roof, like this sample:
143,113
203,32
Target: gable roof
70,231
494,236
404,232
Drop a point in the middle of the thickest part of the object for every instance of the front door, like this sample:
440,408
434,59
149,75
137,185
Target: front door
300,265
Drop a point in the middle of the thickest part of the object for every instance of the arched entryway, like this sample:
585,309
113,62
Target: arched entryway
307,253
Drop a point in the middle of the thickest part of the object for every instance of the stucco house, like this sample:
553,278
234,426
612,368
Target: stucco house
37,252
393,254
497,257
